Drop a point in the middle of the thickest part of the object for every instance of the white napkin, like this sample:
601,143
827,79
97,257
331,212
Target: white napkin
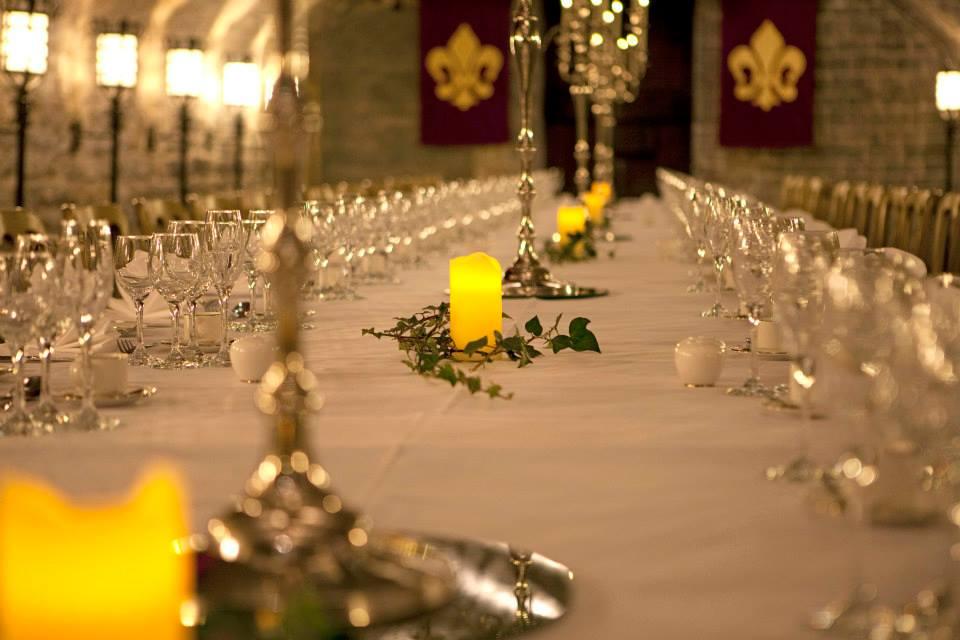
68,345
850,239
155,309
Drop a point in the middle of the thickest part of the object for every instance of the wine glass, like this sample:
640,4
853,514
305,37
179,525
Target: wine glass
251,249
175,262
224,215
223,244
267,319
200,287
131,259
18,309
801,264
88,282
753,249
40,256
718,240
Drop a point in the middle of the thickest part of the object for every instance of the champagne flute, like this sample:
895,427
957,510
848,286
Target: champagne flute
223,243
174,264
131,258
251,249
201,286
88,281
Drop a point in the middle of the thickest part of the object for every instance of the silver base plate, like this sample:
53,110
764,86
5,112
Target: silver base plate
486,603
559,291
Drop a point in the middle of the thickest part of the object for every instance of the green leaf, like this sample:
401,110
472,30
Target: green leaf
473,384
578,327
494,390
506,316
534,327
560,343
448,373
476,345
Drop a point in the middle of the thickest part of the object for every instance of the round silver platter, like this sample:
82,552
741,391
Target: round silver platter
499,591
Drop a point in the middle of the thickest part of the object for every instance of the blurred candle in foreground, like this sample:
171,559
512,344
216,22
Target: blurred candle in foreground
104,572
595,203
571,221
476,299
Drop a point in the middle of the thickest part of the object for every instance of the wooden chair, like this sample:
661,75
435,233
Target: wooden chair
953,234
853,207
112,213
813,201
837,203
864,221
154,214
18,221
917,224
893,208
791,192
198,205
942,243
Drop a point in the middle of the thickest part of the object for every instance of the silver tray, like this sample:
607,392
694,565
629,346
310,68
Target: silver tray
486,604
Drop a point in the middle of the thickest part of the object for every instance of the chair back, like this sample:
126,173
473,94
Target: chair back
854,208
199,204
813,201
837,204
942,243
791,192
917,224
18,221
888,222
151,215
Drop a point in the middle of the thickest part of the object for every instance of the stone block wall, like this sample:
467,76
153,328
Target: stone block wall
875,115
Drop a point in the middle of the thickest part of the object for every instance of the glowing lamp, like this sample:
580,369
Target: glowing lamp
241,84
23,44
184,72
595,202
117,60
107,571
948,94
476,299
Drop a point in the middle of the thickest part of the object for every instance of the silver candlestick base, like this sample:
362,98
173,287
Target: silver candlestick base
527,277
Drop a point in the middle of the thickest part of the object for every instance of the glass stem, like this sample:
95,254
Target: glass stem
754,356
807,373
224,350
175,342
46,353
138,305
252,290
192,310
16,366
719,273
86,367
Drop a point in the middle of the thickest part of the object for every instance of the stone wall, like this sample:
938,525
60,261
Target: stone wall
875,116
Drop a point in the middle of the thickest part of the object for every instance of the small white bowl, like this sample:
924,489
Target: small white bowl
251,356
699,360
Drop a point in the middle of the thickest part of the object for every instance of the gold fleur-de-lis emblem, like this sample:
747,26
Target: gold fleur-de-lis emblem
465,69
767,71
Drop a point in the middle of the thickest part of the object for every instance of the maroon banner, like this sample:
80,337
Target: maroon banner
767,73
464,64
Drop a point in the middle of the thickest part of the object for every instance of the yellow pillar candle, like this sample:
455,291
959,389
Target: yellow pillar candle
604,189
570,221
476,299
93,572
595,203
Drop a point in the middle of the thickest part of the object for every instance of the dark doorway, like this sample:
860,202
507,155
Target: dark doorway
653,131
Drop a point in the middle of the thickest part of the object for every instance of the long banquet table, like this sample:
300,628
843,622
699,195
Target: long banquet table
652,493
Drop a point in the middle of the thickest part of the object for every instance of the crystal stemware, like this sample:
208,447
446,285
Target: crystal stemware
88,282
40,255
223,245
175,264
251,249
801,264
200,287
718,240
131,259
18,308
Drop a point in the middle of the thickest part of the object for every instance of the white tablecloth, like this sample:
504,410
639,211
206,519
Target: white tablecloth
652,493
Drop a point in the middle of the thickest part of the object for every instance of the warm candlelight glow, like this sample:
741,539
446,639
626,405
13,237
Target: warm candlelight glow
184,72
602,188
108,572
571,221
595,205
23,45
476,299
241,84
117,60
948,93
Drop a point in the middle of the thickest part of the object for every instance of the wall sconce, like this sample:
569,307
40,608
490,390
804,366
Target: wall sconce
241,90
948,104
184,80
23,48
117,66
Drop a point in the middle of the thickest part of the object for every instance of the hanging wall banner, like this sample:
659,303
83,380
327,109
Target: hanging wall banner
767,73
464,64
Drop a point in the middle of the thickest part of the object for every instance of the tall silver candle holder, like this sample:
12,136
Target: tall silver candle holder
289,546
572,60
527,277
617,63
